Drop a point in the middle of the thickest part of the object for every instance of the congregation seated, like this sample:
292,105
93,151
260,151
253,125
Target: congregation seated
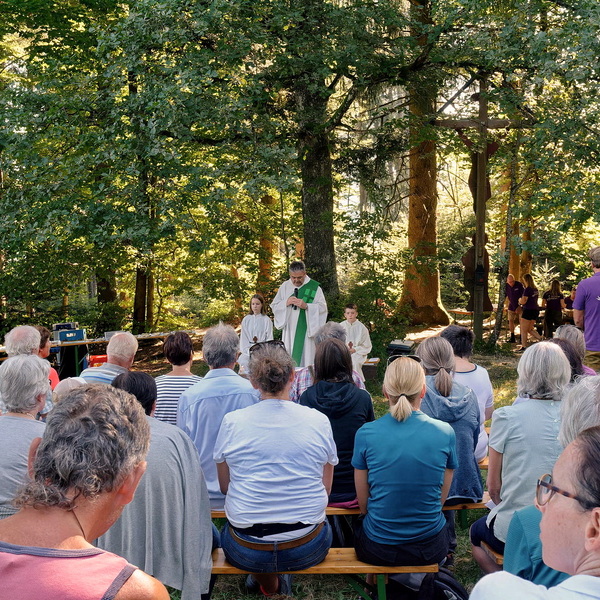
580,409
24,386
25,340
179,352
44,352
346,406
275,463
305,377
84,470
403,463
120,356
523,444
166,529
572,356
450,401
569,501
575,336
202,406
472,376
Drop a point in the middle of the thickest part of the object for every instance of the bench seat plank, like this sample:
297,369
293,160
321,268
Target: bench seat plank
338,561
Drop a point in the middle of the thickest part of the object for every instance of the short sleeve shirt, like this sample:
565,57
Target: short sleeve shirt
276,451
532,296
553,301
587,298
513,293
526,434
406,462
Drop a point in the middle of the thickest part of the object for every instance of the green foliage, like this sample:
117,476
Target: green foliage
371,256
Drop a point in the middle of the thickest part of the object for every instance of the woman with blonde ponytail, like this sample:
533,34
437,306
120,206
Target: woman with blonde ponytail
452,402
403,465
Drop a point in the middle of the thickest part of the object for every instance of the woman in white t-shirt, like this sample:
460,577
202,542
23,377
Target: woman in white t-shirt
472,376
275,463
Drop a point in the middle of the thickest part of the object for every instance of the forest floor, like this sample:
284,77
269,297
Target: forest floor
501,365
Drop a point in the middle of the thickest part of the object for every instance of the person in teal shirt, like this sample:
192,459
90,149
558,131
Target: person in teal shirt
403,470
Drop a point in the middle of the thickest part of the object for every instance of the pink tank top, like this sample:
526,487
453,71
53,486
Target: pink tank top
30,573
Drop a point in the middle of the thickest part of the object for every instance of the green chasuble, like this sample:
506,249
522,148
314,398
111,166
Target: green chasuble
307,293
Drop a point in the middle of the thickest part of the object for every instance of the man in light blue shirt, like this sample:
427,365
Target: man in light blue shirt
203,406
120,355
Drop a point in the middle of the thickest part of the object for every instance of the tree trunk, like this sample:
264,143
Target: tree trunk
106,288
150,298
314,155
266,246
421,287
526,258
514,263
65,305
139,301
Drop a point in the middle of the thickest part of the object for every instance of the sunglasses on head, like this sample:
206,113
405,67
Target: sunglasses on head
414,357
258,345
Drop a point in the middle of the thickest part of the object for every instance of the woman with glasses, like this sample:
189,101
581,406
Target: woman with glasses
569,501
403,469
523,444
275,464
580,409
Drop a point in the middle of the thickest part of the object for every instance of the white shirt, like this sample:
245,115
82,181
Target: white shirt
253,326
479,381
276,451
358,334
502,585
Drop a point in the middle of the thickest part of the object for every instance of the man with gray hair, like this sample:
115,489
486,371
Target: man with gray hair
299,309
202,407
120,353
24,386
586,311
25,340
305,377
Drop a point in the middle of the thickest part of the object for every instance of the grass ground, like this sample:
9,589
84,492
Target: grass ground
501,366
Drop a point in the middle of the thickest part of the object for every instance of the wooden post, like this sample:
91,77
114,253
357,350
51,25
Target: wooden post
480,205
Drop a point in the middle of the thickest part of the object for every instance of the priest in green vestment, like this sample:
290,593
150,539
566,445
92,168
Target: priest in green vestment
299,309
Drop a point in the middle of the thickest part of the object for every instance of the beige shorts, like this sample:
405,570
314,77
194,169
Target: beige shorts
592,360
513,315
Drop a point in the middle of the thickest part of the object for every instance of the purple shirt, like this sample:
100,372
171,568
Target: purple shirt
587,298
513,293
553,301
532,299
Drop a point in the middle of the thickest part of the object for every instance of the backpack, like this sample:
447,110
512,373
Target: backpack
425,586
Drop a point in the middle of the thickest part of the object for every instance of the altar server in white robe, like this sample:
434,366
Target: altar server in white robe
357,338
256,327
299,309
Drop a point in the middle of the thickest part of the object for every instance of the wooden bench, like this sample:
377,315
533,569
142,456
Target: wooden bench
495,556
339,561
332,510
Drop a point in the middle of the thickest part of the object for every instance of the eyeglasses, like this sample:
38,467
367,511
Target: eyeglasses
414,357
545,490
258,345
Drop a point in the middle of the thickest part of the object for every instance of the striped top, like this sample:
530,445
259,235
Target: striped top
170,388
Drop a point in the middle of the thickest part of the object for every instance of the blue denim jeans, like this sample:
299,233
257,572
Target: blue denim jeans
275,561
